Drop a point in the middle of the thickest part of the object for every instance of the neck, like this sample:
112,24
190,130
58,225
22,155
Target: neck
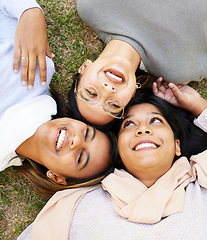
122,50
149,177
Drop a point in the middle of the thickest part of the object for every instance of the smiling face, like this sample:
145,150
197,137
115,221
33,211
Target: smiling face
146,143
114,79
68,147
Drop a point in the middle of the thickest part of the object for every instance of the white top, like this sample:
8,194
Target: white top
22,111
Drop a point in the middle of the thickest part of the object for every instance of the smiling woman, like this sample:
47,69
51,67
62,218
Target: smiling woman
68,152
157,41
53,154
160,182
145,139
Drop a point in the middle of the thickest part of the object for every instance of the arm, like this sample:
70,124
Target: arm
182,96
30,38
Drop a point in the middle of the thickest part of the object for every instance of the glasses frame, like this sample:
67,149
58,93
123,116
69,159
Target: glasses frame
76,93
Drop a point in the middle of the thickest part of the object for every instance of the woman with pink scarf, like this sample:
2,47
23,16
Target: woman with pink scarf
160,191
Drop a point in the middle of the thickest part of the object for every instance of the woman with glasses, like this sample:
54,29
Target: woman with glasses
159,190
167,40
53,154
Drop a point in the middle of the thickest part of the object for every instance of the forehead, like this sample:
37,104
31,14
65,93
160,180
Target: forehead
143,109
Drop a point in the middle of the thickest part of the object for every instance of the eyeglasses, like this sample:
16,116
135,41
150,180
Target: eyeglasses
90,95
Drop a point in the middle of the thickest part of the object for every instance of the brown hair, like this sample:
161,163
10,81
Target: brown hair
44,186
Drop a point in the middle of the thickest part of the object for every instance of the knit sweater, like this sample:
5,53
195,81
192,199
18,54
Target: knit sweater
171,37
104,223
22,111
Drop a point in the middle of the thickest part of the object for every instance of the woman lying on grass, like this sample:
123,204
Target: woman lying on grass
157,192
53,154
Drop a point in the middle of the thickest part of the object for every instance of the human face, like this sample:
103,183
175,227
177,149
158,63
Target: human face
114,79
70,148
146,142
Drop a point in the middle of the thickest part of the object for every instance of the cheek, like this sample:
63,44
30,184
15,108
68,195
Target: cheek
124,96
123,145
88,78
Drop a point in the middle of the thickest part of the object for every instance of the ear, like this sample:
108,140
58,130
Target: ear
177,147
56,178
84,66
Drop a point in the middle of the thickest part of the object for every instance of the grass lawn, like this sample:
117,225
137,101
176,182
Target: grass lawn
72,42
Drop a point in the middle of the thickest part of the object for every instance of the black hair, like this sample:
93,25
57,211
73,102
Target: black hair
192,139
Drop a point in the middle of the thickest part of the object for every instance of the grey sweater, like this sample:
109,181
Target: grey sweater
170,36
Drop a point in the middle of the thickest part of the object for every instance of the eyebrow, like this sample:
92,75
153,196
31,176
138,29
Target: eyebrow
151,113
88,157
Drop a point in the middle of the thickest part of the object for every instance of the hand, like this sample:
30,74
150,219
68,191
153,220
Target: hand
31,42
182,96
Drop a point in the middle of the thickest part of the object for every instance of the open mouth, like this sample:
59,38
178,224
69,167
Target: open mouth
144,146
115,76
60,139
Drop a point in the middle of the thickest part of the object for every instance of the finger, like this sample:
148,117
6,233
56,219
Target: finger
48,51
24,67
17,54
159,81
155,89
161,87
42,69
31,71
177,93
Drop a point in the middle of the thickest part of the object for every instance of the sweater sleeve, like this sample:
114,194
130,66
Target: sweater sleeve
201,121
15,8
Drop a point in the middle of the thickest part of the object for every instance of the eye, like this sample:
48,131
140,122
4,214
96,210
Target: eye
83,159
156,120
86,134
91,92
114,104
88,93
128,123
80,156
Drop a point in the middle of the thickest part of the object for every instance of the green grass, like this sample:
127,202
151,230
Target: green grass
72,42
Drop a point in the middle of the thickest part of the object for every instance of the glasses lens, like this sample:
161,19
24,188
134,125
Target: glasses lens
88,94
114,109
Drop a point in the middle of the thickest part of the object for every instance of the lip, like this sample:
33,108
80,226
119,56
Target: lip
117,73
57,137
145,148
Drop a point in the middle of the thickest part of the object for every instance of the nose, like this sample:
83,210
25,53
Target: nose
142,130
108,87
76,142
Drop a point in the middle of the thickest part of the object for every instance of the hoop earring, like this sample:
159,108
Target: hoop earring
138,85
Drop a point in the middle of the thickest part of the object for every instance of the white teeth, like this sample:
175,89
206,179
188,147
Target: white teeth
60,139
145,145
114,76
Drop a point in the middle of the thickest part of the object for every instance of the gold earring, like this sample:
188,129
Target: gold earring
138,85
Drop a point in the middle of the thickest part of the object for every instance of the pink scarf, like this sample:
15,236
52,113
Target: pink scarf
131,199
